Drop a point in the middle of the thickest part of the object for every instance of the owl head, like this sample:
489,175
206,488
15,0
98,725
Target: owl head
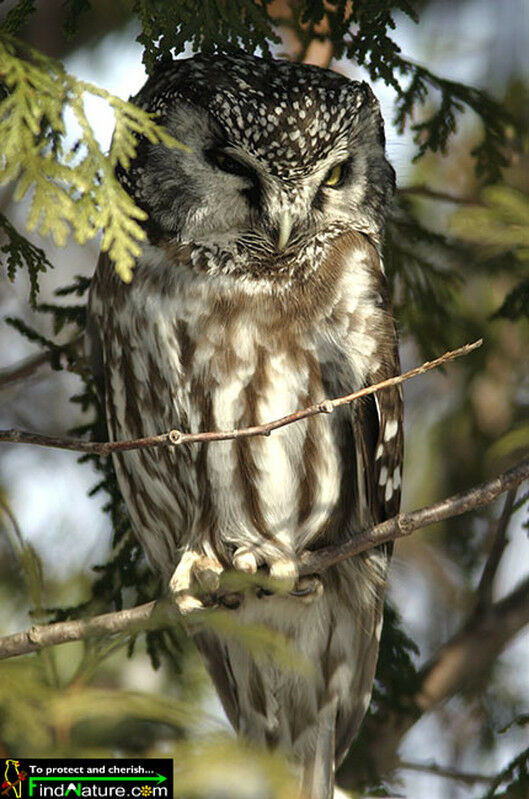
279,154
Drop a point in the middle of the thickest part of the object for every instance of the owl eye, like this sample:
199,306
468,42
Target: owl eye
229,164
336,176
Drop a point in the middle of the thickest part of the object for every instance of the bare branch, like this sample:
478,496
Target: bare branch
156,614
406,523
466,777
21,371
143,617
177,437
499,543
425,192
465,655
473,648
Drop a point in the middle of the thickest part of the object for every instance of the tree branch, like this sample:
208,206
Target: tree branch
497,549
177,437
406,523
466,654
11,374
424,191
157,614
466,777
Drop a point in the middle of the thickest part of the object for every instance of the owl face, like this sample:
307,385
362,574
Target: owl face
280,154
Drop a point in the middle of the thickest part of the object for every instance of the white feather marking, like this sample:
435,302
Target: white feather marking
383,476
391,429
396,478
389,490
379,452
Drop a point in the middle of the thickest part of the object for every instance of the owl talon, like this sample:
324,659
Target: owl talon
285,571
245,561
308,589
195,574
187,604
230,601
206,572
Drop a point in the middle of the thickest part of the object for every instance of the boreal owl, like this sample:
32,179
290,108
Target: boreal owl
260,290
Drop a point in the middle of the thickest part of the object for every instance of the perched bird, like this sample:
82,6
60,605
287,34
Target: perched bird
261,291
13,778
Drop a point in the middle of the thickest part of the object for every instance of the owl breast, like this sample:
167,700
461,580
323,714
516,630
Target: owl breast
205,355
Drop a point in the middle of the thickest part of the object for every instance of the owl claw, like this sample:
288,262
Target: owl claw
245,561
285,571
308,589
206,572
187,604
195,574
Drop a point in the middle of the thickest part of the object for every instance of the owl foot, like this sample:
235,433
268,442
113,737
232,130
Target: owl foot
195,575
307,589
282,569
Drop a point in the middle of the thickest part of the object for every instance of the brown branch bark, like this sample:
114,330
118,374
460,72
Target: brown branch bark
12,374
497,549
424,191
157,614
470,651
406,523
177,437
465,777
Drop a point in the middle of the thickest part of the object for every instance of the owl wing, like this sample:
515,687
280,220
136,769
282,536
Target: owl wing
378,435
377,432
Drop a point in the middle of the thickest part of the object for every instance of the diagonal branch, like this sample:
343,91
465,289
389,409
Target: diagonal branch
406,523
21,371
177,437
157,614
465,777
499,543
470,651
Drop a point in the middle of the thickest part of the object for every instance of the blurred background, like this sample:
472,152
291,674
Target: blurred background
463,425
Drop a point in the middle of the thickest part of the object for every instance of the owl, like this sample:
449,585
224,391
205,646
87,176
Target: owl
260,290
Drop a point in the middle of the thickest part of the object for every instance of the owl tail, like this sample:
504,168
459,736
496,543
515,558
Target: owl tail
318,772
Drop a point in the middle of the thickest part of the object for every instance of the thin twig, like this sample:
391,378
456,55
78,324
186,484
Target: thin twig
18,537
177,437
466,777
156,614
424,191
22,370
496,551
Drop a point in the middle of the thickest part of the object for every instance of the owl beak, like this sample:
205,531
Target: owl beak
285,229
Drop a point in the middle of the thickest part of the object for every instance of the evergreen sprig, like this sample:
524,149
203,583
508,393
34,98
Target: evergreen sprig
424,276
74,184
20,253
213,27
126,569
18,16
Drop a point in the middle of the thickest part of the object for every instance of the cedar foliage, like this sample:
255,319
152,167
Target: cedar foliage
75,192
